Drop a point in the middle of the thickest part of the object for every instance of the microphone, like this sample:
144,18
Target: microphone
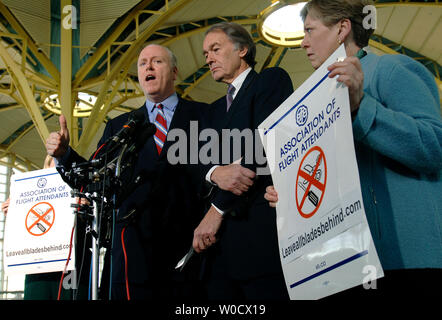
147,129
134,121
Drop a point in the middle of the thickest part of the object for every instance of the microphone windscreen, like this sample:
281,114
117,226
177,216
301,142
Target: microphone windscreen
137,115
148,129
145,131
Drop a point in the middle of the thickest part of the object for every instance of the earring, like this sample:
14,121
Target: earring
339,40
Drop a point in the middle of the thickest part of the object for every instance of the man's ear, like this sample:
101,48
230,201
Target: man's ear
175,73
243,52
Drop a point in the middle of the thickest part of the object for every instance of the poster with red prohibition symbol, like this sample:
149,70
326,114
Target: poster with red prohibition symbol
38,224
325,242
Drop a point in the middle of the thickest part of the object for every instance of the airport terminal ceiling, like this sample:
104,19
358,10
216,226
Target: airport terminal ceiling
78,57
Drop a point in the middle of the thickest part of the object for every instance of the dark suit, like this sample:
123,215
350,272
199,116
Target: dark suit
167,212
248,246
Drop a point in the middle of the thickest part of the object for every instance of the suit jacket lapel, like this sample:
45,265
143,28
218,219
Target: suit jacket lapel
237,102
150,141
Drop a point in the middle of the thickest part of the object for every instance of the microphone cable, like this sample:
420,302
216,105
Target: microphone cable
67,262
125,263
81,266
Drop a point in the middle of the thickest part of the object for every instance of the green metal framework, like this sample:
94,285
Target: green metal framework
36,76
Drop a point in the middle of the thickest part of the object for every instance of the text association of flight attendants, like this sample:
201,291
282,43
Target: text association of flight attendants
46,286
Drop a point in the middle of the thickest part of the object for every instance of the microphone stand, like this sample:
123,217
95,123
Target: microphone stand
95,230
95,247
87,173
118,166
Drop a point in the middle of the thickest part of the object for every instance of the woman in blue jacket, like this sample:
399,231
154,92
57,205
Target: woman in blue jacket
397,129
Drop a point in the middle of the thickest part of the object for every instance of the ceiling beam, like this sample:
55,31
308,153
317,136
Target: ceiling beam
104,47
391,47
117,105
25,91
65,93
10,106
17,161
20,45
406,3
388,50
30,44
168,39
98,113
275,57
185,86
192,81
178,36
21,132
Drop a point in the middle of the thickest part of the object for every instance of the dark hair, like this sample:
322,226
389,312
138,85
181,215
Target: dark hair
331,12
240,37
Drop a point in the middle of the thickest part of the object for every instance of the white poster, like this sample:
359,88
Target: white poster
324,239
39,224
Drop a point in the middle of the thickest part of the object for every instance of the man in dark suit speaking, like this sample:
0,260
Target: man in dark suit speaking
244,263
166,206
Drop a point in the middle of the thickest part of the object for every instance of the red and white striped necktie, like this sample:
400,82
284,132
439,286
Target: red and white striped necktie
161,124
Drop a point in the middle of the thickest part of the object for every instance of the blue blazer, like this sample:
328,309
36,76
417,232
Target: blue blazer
398,142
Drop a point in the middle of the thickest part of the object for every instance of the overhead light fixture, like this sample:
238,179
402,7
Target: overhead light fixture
82,107
281,24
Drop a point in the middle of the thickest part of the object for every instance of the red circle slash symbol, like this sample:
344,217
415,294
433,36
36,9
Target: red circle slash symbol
40,219
310,182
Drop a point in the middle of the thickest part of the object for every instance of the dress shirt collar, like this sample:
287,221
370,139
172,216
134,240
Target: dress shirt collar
239,80
169,103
